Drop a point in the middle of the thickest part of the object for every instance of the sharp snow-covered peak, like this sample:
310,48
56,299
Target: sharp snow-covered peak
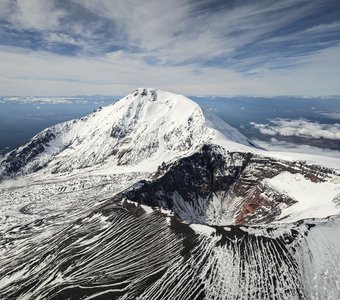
145,128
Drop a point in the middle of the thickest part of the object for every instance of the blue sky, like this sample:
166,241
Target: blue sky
196,47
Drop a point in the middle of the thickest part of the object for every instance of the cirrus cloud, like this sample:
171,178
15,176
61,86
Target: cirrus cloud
209,47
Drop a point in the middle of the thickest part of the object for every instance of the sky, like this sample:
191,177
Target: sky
193,47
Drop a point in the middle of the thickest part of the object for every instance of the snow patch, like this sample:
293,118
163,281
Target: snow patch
315,199
203,229
147,209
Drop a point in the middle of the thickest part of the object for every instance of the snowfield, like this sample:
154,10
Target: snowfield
314,199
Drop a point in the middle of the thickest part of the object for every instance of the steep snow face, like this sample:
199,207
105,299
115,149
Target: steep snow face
145,128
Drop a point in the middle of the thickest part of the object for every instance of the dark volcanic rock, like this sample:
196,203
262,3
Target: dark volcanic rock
234,178
17,159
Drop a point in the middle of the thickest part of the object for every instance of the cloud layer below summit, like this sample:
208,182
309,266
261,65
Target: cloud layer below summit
299,128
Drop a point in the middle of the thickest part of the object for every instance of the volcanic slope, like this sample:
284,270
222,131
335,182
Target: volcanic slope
155,198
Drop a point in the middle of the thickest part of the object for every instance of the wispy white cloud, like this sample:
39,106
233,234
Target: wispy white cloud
333,115
309,33
299,128
32,14
62,38
180,30
45,100
283,146
194,47
114,73
24,72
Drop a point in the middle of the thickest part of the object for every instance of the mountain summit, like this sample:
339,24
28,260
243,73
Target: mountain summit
141,130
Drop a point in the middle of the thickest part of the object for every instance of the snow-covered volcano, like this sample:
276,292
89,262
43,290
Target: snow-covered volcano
142,130
152,135
156,136
153,197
